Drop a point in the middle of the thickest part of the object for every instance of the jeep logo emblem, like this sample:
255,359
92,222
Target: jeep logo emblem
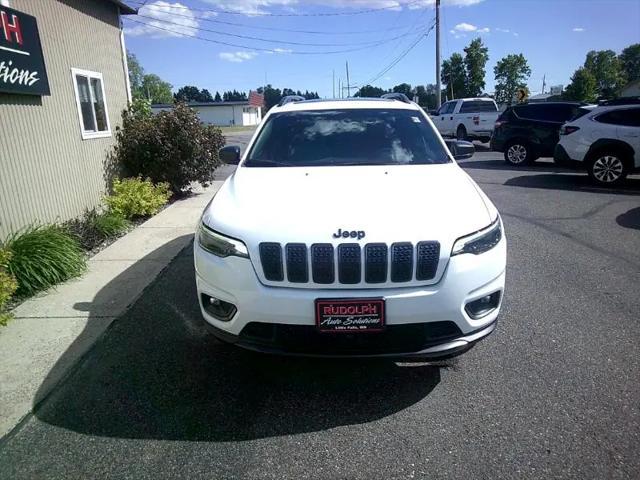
359,234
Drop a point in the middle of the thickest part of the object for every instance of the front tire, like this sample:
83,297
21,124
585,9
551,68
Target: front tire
607,168
461,133
518,153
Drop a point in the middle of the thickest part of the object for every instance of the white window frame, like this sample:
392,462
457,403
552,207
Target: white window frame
88,134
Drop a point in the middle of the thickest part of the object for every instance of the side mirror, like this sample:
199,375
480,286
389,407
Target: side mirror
460,149
230,155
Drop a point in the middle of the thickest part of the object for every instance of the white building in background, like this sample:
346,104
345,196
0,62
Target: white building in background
222,114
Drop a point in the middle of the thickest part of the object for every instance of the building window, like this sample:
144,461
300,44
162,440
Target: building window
92,107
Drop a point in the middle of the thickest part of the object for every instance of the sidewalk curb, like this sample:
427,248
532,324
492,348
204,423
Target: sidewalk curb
60,327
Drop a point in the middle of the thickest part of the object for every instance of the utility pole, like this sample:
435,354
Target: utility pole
333,80
438,85
340,87
544,82
348,83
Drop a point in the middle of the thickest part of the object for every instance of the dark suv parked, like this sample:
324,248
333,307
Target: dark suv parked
530,130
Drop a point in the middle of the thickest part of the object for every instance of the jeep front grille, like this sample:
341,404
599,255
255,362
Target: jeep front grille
371,264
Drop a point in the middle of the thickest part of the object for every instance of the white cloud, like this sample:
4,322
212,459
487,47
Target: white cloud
460,29
184,22
465,27
503,30
578,29
237,57
257,7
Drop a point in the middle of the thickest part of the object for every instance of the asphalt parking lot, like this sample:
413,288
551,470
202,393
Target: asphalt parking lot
553,393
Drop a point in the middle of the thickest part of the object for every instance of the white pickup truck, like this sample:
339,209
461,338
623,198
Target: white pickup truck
466,118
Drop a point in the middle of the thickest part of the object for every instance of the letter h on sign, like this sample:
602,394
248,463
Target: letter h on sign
11,29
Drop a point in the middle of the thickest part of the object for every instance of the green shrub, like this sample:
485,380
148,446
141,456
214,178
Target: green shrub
172,146
110,224
8,284
134,197
93,228
42,257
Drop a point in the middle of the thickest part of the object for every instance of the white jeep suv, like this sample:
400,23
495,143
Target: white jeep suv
349,230
605,141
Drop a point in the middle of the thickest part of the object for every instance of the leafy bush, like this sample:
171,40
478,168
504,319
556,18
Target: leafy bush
172,146
42,257
110,224
8,284
93,228
134,197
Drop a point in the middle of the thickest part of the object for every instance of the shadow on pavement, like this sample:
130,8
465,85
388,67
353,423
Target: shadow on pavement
157,374
630,219
577,182
502,165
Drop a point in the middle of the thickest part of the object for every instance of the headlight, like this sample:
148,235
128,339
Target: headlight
220,245
479,242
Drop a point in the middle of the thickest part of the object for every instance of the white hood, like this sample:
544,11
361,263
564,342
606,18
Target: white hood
405,203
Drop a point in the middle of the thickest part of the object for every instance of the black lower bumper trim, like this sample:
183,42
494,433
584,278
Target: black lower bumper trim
432,340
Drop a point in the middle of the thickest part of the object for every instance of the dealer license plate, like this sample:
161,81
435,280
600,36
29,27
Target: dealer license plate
350,315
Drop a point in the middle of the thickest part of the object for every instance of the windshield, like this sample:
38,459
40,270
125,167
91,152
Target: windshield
346,137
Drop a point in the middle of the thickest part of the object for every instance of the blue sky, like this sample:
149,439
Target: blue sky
554,36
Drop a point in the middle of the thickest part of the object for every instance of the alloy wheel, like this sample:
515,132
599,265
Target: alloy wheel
517,154
608,169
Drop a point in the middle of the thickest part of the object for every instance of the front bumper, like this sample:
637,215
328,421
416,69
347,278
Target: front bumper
562,158
428,321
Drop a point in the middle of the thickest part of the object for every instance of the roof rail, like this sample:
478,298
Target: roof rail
291,99
401,97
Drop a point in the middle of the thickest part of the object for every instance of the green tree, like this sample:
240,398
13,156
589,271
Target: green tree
476,56
234,96
217,98
136,74
369,91
454,76
606,68
155,89
630,62
427,96
582,87
403,88
205,96
188,93
271,96
511,74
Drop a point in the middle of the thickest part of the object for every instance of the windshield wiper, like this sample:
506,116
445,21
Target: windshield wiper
265,163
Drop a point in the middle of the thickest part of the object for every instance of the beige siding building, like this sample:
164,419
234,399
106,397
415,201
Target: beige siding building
53,148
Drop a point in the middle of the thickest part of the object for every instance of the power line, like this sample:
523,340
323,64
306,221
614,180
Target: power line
276,29
268,40
400,57
229,44
317,14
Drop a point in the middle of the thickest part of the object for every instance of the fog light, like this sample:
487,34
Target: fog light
219,309
483,306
